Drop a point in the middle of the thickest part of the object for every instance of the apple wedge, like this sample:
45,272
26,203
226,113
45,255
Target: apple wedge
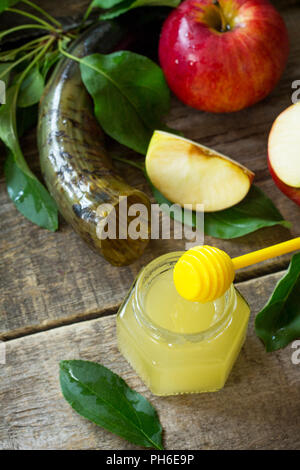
186,172
284,152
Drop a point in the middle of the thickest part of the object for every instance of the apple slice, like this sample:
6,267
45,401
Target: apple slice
186,172
284,152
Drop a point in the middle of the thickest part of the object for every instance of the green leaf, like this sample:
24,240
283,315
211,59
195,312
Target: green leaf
103,397
31,89
7,4
118,7
254,212
117,10
5,72
105,3
49,60
26,119
157,3
130,96
8,132
279,321
28,194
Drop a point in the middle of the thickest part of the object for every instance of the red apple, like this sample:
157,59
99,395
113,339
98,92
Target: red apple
284,152
225,55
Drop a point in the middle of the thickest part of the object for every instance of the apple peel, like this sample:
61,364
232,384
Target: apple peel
284,147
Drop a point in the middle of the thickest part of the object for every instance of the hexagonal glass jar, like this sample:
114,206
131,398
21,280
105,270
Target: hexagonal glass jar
170,362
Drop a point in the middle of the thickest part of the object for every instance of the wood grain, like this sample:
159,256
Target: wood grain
259,408
70,12
53,279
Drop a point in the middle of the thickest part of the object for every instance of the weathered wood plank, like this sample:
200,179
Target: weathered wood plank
49,279
70,12
259,408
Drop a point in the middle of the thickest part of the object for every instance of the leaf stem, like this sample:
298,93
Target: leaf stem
72,57
5,55
19,28
87,13
224,25
33,17
65,53
43,12
17,62
43,50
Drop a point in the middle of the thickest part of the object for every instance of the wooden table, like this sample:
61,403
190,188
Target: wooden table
58,301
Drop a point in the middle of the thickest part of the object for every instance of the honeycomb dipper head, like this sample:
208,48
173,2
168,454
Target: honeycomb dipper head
203,274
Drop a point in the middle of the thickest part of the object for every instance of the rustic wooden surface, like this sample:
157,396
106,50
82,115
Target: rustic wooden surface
259,407
53,278
49,280
71,12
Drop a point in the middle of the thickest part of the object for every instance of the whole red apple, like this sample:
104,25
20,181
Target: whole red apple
225,55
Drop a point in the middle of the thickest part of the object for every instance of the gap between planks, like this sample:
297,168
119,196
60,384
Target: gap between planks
109,311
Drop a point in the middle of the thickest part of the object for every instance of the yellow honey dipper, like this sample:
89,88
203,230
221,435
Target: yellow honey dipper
204,273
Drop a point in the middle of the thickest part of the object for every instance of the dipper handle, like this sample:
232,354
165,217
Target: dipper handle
205,273
266,253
